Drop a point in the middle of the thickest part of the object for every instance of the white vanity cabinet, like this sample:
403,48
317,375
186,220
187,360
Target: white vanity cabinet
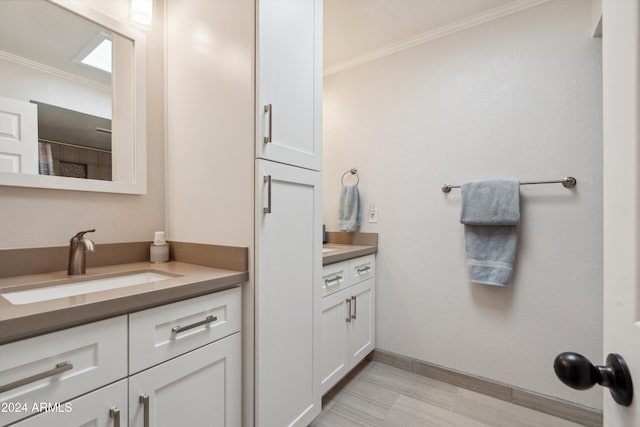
348,322
199,387
289,82
176,364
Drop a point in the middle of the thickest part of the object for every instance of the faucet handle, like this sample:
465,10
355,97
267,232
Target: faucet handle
81,233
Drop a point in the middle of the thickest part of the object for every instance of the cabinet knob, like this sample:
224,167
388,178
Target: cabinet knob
578,372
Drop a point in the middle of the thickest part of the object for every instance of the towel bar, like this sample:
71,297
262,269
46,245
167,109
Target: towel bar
567,182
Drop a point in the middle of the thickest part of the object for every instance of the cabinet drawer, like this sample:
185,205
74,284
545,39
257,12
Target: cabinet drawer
161,333
92,409
335,277
362,268
61,365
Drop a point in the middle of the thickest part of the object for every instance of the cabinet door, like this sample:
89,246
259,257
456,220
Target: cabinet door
200,388
289,262
105,407
334,342
289,59
361,327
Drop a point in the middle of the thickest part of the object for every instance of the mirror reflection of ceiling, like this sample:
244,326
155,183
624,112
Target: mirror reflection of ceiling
353,28
48,34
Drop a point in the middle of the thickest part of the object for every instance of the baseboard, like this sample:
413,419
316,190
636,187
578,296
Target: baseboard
549,405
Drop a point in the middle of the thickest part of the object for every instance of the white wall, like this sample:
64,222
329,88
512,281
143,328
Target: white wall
32,217
517,97
210,113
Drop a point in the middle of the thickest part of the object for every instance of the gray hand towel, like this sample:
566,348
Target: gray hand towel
349,209
490,213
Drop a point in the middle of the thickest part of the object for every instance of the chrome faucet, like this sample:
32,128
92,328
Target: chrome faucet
78,245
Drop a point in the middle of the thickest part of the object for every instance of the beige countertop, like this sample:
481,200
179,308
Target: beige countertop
27,320
341,252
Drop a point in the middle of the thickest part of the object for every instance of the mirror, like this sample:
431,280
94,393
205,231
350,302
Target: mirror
72,99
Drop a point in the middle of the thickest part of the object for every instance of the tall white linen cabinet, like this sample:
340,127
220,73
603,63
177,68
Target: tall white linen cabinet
244,158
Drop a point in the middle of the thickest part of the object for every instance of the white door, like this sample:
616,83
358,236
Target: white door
18,136
288,270
621,98
289,116
198,389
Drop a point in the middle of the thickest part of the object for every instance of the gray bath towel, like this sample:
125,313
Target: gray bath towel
349,209
490,214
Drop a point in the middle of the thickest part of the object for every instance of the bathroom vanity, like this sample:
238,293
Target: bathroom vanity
174,363
348,310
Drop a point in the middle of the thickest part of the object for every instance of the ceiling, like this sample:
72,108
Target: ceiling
43,32
353,28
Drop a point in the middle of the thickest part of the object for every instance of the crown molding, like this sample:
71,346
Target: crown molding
53,71
472,21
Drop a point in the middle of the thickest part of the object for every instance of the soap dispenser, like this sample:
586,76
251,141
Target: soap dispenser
159,251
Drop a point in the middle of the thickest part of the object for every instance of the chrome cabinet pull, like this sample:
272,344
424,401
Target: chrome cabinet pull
144,399
364,269
267,210
178,329
269,109
60,367
355,307
115,414
334,281
348,301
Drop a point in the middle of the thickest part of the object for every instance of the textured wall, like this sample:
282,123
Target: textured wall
517,97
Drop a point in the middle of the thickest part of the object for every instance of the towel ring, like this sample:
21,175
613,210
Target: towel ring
352,171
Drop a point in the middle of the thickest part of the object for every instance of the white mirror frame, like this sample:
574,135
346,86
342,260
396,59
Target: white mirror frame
129,161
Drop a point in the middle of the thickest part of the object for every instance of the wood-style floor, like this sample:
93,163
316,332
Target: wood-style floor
376,394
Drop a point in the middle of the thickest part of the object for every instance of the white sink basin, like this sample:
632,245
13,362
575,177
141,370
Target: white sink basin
47,293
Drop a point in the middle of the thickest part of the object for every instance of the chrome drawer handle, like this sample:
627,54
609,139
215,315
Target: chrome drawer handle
348,301
334,281
60,367
364,269
269,109
115,414
267,210
178,329
355,307
144,399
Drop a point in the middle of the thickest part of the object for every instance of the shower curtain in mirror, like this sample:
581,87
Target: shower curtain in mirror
45,159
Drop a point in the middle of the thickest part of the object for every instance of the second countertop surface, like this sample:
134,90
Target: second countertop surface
335,252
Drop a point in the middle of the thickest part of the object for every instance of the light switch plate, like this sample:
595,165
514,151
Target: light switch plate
373,214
